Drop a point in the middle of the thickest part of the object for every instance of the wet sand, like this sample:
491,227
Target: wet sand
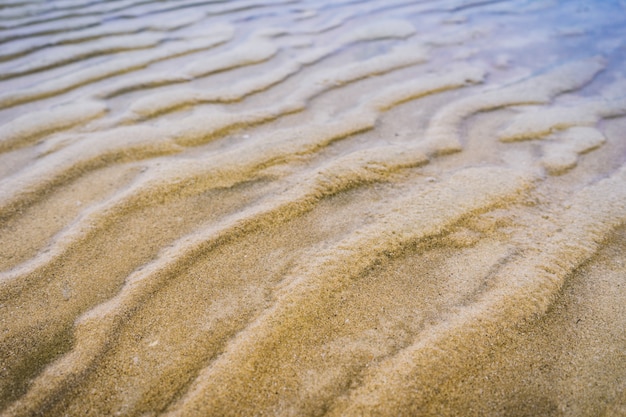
306,208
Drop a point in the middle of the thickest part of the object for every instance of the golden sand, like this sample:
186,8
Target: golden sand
306,208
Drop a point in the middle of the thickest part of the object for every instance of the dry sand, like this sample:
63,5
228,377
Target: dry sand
306,208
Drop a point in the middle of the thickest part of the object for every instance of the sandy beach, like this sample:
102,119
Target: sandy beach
312,208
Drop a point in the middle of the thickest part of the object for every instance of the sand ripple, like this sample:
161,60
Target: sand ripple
346,208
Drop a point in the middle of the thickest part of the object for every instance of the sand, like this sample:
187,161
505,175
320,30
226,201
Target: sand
307,208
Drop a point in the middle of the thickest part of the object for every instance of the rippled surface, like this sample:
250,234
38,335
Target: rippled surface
312,208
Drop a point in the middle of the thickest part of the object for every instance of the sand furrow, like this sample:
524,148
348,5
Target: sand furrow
96,330
227,169
538,89
258,350
48,28
337,19
47,12
143,141
25,130
559,157
159,103
221,8
356,169
534,124
162,102
221,34
19,48
68,54
254,51
524,290
102,11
